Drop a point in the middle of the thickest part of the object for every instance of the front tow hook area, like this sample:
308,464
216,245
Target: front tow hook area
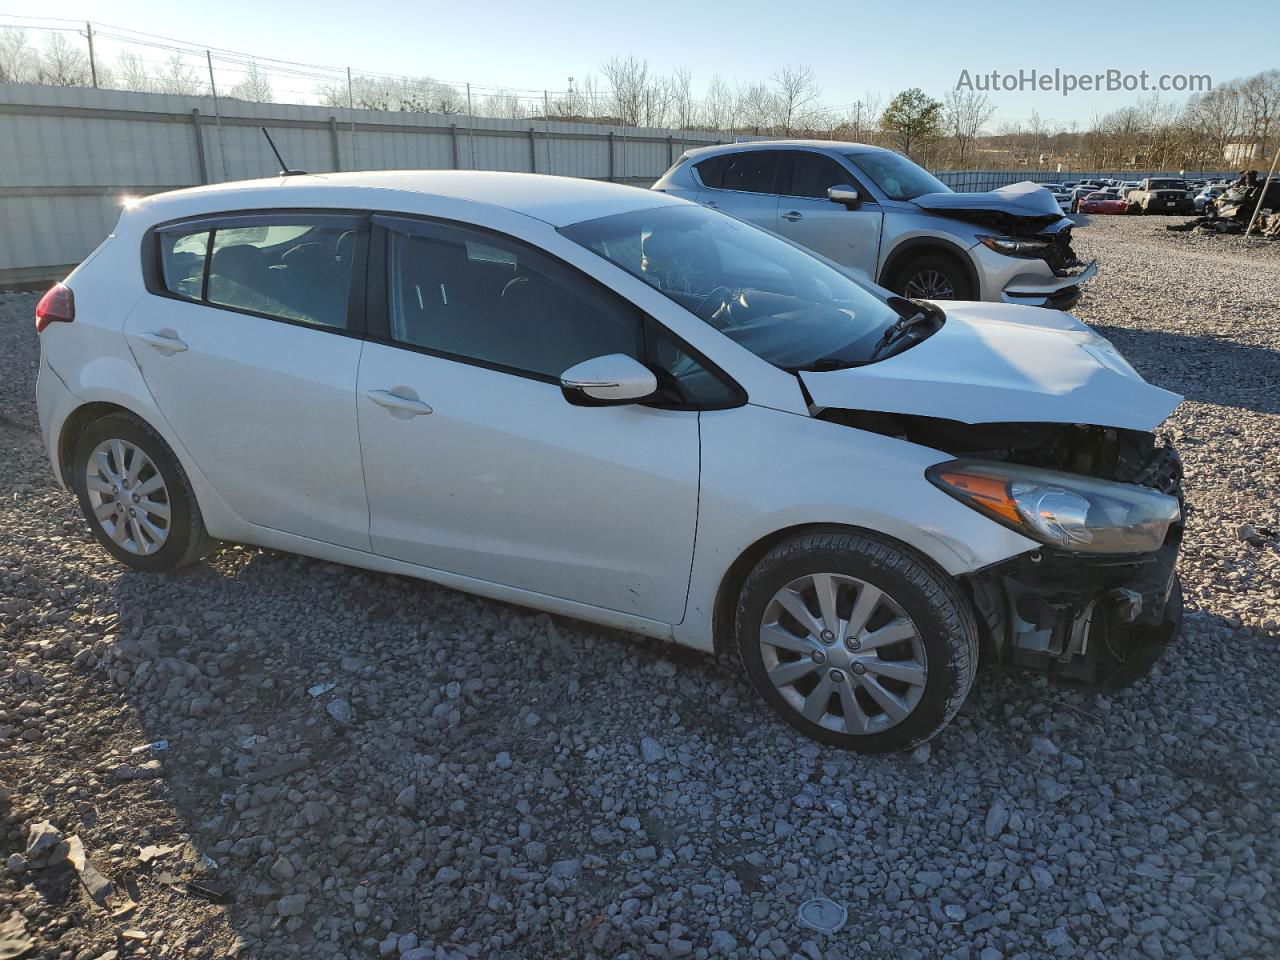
1096,622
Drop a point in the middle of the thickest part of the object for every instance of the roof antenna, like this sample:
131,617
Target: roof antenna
284,167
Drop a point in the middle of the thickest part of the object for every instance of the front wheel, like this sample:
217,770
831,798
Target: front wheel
933,276
855,641
135,496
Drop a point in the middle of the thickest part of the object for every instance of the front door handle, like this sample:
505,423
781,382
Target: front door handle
163,341
793,216
397,403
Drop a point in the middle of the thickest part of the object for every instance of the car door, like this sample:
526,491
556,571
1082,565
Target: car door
742,184
806,216
249,339
475,462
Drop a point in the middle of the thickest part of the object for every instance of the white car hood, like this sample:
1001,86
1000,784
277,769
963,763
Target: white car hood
1002,363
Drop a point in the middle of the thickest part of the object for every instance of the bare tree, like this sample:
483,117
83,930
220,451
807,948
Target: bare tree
62,65
255,87
1217,114
507,106
179,77
629,85
964,113
132,73
795,98
1260,94
756,108
718,108
680,87
19,62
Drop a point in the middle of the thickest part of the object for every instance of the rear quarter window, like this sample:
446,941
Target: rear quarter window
182,259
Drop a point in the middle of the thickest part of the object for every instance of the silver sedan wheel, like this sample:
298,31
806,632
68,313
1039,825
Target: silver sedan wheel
128,496
930,285
843,653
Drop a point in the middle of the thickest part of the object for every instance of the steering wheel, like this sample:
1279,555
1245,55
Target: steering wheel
718,299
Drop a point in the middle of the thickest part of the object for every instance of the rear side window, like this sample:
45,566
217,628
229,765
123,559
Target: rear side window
711,171
299,271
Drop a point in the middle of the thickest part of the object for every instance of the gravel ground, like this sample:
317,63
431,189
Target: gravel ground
370,766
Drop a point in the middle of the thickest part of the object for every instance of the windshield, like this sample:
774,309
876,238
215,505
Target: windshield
1168,185
898,177
782,304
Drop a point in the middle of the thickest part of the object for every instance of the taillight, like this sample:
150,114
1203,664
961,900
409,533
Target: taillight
58,303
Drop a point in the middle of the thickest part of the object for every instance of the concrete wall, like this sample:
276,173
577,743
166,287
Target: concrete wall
68,156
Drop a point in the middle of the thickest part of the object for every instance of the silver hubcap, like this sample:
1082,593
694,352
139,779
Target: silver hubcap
128,496
843,654
930,285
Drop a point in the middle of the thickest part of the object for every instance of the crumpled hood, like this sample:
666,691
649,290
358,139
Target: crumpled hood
1025,199
1002,363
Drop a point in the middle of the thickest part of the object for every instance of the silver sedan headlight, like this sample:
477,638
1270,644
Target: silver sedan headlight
1063,510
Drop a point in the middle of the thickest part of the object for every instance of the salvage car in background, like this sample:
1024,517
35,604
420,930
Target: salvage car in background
1207,195
877,212
1079,192
1161,195
1101,201
620,406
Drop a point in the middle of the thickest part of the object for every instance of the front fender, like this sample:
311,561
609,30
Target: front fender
765,471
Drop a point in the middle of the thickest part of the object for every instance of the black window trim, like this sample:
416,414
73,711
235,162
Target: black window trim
853,181
378,319
358,220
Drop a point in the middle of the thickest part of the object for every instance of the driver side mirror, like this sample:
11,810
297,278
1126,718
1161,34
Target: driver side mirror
843,193
608,381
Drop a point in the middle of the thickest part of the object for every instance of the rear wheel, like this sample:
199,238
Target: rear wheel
933,276
855,641
135,496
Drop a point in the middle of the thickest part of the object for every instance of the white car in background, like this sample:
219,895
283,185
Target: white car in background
620,406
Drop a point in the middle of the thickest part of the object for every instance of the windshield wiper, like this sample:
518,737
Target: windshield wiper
895,332
912,314
823,364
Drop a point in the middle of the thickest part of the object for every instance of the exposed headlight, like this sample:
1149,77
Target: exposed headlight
1015,246
1062,510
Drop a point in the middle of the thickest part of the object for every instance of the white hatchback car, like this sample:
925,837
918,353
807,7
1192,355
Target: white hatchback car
620,406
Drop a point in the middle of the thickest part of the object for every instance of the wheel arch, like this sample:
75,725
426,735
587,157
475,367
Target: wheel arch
917,246
221,522
77,422
731,582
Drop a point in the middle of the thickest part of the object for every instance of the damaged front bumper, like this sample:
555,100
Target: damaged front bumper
1094,620
1028,281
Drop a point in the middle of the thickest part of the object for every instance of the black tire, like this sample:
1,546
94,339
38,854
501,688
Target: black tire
942,616
187,540
937,263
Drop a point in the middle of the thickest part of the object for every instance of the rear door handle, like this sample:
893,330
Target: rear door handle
793,216
385,398
163,341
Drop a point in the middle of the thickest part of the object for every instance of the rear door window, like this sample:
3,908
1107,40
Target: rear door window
752,171
296,268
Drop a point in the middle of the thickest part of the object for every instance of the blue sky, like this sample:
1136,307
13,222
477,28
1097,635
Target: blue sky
853,48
